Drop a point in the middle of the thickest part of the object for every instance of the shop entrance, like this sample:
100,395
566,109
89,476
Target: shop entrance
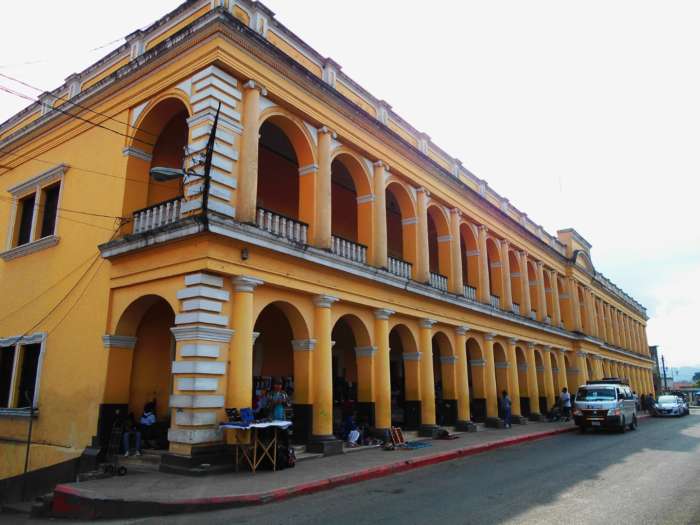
405,386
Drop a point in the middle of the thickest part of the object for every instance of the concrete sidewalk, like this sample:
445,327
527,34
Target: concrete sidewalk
154,493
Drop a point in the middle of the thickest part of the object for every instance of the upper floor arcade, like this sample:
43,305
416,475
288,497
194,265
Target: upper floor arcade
300,167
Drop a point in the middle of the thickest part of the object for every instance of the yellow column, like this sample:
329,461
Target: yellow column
463,411
365,358
456,281
548,376
423,259
247,192
382,406
533,391
379,239
240,366
321,229
490,375
592,313
484,291
582,367
507,299
513,383
556,309
526,307
323,370
427,379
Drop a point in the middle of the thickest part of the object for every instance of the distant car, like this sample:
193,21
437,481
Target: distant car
671,406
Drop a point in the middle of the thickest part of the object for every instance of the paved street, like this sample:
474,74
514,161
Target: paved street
648,476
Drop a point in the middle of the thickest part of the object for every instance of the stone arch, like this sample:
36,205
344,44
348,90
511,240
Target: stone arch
469,247
297,321
548,295
351,198
287,166
554,360
162,133
523,384
438,240
501,364
583,260
142,374
539,367
516,288
444,378
476,375
493,254
401,221
532,279
404,361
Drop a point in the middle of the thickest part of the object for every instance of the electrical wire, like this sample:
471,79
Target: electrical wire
68,210
96,124
69,101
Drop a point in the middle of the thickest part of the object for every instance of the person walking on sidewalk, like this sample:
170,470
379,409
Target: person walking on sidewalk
565,402
506,407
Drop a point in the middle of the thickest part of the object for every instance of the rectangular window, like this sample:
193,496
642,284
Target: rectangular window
27,375
50,209
7,361
26,216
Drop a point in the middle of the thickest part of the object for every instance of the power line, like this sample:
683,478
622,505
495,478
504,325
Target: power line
40,206
58,108
67,294
69,101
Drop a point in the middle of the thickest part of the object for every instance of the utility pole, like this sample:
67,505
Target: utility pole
207,169
663,367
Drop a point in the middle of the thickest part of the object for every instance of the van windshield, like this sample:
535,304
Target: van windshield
595,394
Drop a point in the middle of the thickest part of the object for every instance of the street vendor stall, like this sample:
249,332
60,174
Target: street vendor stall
261,445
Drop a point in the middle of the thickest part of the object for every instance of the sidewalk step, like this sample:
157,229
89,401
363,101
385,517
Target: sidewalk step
150,462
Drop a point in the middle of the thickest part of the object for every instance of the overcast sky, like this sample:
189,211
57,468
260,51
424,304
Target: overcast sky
583,114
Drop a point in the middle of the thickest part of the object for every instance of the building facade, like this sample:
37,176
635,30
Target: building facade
333,246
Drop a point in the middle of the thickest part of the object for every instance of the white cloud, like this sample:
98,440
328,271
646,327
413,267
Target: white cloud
584,115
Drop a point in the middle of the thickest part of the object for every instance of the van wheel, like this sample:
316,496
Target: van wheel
633,424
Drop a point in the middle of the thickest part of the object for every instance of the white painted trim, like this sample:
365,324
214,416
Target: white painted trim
201,317
119,341
200,350
409,220
45,178
137,154
201,304
365,351
303,345
310,168
30,247
198,384
194,419
204,278
199,367
448,359
196,401
203,291
411,356
195,436
477,362
202,333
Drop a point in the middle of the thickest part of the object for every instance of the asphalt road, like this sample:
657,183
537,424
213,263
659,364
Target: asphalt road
650,476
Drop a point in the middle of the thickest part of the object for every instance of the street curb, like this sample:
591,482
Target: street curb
70,502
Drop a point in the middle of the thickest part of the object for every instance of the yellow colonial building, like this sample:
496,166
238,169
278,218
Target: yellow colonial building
336,247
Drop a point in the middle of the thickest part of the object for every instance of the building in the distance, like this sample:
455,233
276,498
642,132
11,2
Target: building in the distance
342,251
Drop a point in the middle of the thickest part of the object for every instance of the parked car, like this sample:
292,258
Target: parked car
605,403
671,406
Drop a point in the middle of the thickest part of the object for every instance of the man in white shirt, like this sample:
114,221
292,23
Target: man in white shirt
565,402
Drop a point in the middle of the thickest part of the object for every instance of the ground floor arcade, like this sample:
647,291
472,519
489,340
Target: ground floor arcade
200,343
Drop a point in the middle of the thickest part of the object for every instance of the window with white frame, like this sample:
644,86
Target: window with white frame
20,370
34,220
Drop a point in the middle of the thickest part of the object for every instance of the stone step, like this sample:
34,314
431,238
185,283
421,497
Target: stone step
145,461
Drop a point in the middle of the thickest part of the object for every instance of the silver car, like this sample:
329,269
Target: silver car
671,406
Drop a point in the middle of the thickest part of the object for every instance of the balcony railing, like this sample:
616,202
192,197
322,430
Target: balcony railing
495,301
348,249
399,267
156,216
438,281
470,292
548,319
515,308
533,314
277,224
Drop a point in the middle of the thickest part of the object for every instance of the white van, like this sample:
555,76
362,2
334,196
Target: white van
605,403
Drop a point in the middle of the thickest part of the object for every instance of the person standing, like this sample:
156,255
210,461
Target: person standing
506,406
565,401
279,400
